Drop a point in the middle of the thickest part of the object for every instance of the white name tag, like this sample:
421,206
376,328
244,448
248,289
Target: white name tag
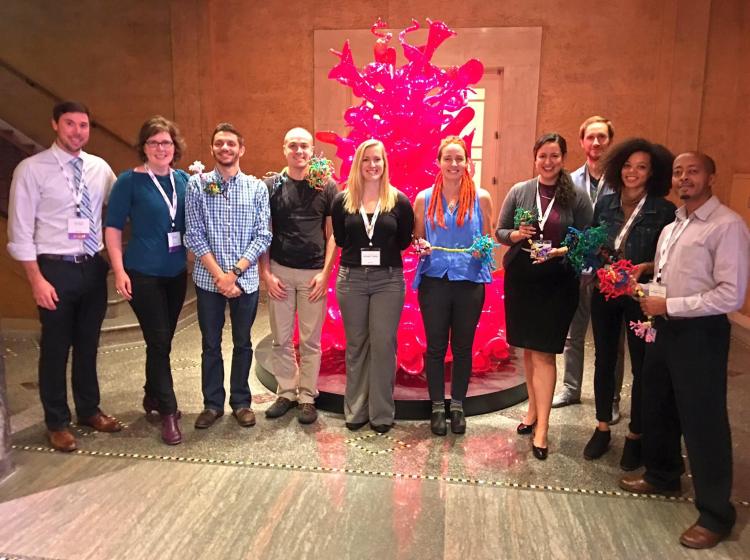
657,290
370,257
174,241
78,228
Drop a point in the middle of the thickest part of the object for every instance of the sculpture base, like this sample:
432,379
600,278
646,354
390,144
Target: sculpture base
500,388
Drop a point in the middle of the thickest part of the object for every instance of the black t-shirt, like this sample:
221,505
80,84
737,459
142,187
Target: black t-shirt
298,218
392,232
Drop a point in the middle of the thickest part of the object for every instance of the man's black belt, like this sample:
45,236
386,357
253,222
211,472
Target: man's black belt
77,259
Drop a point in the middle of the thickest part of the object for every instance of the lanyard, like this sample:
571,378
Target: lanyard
369,225
675,233
629,224
546,214
75,190
599,187
171,205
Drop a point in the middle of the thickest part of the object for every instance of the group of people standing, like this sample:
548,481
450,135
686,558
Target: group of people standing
285,232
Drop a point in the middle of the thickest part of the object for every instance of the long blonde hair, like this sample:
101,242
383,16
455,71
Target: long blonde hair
355,185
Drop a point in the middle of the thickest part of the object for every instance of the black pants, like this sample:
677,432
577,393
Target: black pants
77,321
449,310
606,321
157,302
685,391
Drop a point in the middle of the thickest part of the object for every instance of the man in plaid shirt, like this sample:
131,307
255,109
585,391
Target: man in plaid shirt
227,227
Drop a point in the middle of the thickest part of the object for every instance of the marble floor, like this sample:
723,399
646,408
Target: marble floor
281,489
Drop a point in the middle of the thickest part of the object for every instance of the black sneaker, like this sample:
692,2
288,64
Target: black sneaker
631,455
597,445
280,407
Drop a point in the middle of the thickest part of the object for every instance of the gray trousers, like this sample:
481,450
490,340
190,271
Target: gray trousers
371,300
573,353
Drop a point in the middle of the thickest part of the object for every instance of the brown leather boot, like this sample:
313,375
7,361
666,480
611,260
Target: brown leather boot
170,429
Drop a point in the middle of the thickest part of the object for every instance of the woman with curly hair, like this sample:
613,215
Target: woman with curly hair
640,174
541,297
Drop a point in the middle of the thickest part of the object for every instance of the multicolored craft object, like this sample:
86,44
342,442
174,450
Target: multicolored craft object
618,279
481,249
319,172
524,217
585,248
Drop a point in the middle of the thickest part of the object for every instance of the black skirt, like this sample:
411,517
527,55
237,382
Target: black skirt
540,301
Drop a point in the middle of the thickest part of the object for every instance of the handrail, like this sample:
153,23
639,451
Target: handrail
49,93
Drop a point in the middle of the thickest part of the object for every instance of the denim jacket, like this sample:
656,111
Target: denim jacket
640,244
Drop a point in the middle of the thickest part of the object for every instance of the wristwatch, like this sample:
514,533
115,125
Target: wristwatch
237,271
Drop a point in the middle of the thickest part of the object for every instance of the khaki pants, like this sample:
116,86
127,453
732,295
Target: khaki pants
296,383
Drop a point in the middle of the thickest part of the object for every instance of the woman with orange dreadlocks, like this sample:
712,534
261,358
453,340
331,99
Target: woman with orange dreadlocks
450,214
540,296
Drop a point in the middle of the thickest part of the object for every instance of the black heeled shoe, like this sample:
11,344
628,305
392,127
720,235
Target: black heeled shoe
539,452
437,423
525,429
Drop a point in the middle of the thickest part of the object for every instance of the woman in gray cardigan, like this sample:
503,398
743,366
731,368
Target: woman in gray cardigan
541,297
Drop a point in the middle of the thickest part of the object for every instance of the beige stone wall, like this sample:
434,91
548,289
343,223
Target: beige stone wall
674,71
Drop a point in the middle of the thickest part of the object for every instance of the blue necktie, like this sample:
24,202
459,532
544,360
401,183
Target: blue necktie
90,244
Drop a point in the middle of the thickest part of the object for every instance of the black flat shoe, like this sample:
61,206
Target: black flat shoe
381,428
525,429
437,423
354,426
458,422
539,452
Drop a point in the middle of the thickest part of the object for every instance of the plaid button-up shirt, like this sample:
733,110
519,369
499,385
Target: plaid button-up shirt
230,224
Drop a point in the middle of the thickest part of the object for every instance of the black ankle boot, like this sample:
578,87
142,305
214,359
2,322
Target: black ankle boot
597,445
631,455
437,423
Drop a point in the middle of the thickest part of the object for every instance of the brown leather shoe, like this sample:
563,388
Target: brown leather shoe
101,423
62,440
639,485
307,413
207,418
700,537
245,417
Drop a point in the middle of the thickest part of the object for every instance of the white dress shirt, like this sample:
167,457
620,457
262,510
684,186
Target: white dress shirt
706,270
41,202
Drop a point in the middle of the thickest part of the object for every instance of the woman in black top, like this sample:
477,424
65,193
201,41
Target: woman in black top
372,223
640,174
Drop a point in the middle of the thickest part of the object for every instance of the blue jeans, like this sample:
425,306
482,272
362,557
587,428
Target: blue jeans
242,309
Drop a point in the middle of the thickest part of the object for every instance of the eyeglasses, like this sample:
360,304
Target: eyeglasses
164,144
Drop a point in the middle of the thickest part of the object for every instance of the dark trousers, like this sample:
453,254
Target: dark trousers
606,321
242,309
685,391
157,302
77,321
450,311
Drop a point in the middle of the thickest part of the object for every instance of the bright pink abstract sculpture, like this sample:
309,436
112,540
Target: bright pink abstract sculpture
411,108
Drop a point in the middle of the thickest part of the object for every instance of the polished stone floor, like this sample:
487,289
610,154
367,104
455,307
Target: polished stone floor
281,489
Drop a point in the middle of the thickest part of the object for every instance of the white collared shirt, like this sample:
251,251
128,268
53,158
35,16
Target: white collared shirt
41,203
707,268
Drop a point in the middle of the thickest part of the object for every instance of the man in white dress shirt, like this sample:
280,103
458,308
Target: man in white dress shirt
701,274
55,231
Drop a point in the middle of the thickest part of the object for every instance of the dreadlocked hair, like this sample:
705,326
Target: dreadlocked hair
467,192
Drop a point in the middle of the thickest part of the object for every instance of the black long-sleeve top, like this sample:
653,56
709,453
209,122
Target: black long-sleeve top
392,232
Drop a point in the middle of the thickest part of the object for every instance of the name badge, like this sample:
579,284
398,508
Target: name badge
174,241
657,290
370,257
78,228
